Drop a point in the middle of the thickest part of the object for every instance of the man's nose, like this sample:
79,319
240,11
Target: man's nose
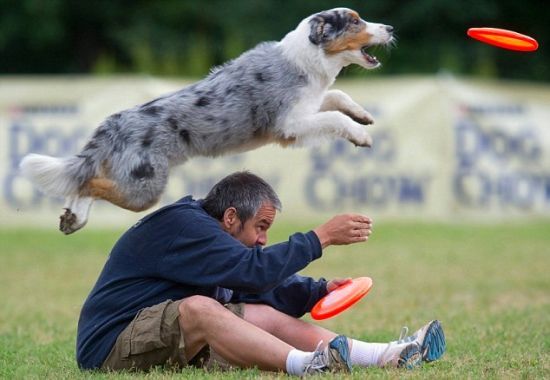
262,239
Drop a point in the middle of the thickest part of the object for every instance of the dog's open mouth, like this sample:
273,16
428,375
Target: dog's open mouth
371,59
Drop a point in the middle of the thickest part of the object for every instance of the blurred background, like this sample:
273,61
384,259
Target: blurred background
462,128
186,37
457,180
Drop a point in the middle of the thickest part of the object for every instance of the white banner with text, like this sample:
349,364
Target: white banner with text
445,149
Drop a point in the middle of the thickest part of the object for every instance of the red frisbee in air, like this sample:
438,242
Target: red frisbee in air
341,298
503,38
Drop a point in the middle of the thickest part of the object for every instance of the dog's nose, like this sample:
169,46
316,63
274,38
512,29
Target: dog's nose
389,28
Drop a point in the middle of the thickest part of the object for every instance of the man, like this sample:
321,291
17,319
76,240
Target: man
190,284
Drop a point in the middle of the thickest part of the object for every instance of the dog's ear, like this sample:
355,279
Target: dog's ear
325,26
317,34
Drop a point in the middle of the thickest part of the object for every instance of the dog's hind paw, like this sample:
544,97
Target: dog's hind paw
68,222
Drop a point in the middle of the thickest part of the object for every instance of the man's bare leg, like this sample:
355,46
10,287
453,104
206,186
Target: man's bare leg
305,336
299,334
204,321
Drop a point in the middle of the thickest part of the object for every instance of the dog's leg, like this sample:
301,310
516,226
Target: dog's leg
106,189
331,124
76,214
336,100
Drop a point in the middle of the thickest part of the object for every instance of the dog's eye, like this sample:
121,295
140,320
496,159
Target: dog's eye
355,21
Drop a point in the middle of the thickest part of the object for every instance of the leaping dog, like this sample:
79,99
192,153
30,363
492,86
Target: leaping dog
277,92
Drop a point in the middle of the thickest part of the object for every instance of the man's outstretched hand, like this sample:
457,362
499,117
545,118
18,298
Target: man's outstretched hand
344,229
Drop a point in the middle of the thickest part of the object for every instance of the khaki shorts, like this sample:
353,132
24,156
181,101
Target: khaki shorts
154,338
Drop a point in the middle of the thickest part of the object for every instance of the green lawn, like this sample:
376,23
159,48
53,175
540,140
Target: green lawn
489,285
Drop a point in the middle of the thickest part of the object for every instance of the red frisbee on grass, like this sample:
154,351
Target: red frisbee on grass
503,38
341,298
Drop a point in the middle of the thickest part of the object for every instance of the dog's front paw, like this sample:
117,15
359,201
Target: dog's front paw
362,117
361,139
68,222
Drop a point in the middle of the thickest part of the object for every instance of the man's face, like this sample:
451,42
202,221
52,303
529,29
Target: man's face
254,230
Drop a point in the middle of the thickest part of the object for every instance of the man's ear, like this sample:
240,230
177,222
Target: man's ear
229,217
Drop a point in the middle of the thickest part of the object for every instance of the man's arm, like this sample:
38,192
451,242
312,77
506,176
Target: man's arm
295,296
202,254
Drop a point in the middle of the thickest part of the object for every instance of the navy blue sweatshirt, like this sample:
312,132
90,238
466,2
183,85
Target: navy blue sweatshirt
180,251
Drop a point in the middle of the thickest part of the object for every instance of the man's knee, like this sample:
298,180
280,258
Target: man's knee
196,307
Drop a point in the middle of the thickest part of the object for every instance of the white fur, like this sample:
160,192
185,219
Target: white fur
48,173
305,122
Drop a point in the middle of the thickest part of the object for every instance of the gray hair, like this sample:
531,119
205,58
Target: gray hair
243,190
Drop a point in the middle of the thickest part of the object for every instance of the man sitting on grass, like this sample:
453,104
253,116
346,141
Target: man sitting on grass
191,284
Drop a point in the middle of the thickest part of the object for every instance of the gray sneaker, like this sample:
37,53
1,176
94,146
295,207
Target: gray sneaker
401,355
334,358
430,338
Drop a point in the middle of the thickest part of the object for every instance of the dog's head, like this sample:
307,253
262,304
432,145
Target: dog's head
342,34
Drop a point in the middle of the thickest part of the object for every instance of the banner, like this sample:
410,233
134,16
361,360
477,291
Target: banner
445,149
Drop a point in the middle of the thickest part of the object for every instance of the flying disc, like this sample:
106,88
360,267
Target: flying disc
341,298
503,38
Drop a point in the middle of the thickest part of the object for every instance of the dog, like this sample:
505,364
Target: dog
277,92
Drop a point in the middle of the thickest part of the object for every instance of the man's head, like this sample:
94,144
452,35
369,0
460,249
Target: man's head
245,205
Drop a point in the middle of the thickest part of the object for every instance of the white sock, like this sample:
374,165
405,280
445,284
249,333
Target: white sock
296,362
366,354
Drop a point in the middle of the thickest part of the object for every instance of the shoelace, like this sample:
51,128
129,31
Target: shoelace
403,335
318,361
403,338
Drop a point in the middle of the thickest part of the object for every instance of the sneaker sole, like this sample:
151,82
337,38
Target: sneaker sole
340,345
434,343
410,357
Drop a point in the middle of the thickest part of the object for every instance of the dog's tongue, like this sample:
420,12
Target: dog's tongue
370,58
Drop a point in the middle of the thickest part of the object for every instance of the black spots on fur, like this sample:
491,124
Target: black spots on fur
151,110
117,146
144,171
91,145
254,113
261,77
202,101
172,123
148,138
88,161
146,105
185,136
232,89
100,132
113,126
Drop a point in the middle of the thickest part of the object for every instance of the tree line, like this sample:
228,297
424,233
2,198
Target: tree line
188,37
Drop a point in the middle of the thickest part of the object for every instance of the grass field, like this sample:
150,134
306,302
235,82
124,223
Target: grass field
489,285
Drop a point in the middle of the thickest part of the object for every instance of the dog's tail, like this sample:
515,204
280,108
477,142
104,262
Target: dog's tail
55,176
